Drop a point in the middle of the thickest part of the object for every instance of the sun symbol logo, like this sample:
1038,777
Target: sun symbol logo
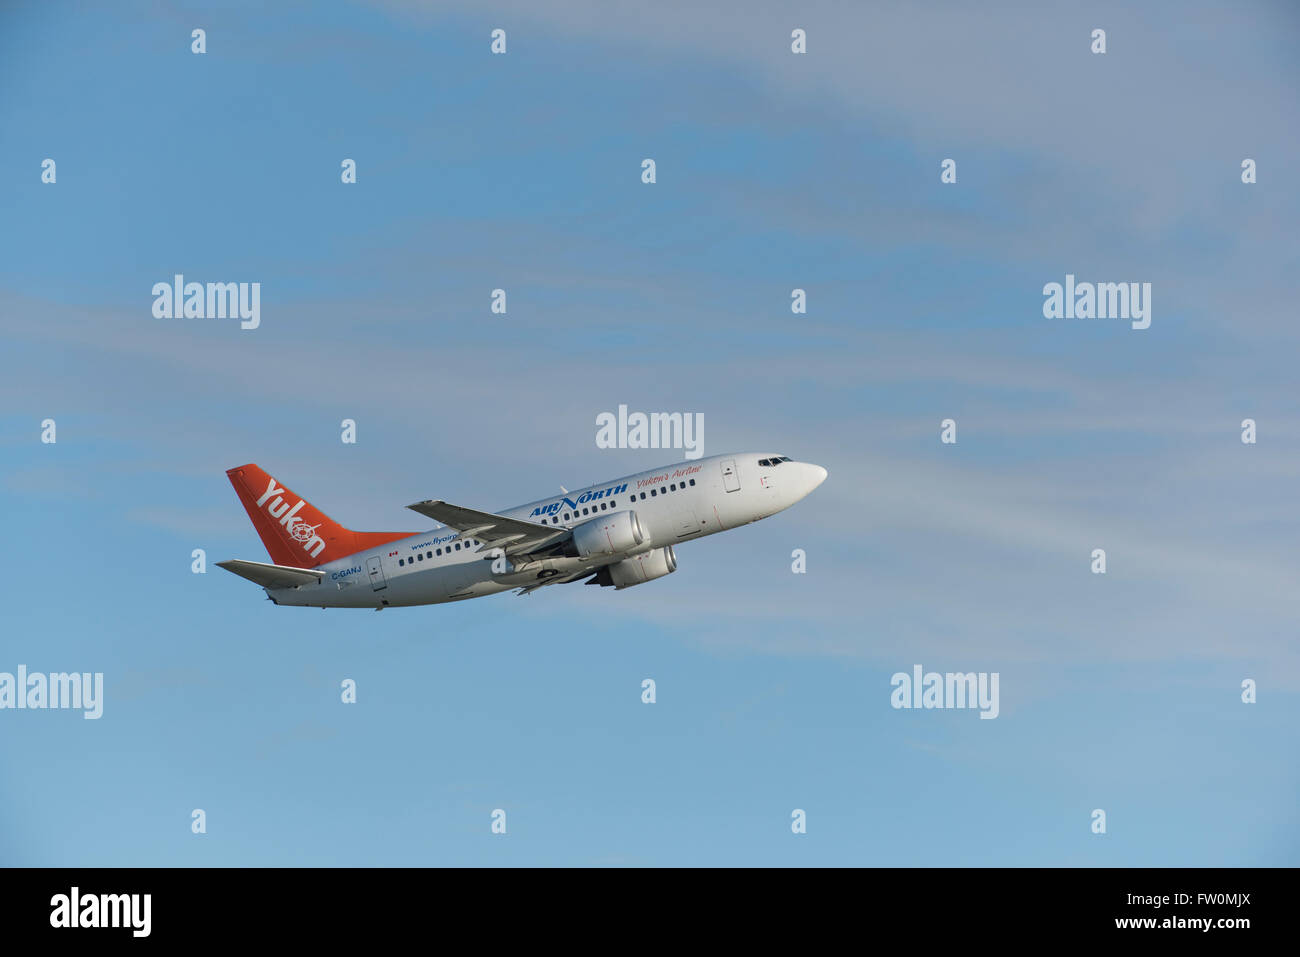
302,532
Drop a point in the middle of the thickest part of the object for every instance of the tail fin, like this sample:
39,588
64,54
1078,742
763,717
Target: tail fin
295,532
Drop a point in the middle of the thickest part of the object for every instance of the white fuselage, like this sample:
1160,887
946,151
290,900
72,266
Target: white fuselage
674,504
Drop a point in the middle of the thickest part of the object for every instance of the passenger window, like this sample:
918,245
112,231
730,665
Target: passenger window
419,558
692,481
652,493
458,546
401,561
440,551
643,496
612,503
566,516
603,506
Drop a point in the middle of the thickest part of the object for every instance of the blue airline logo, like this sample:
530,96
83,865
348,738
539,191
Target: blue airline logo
582,500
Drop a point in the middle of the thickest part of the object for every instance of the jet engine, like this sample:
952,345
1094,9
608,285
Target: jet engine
610,534
641,568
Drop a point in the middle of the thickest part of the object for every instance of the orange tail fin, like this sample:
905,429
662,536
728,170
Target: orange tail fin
295,532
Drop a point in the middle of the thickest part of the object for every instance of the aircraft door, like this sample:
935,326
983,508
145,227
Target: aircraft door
376,569
730,478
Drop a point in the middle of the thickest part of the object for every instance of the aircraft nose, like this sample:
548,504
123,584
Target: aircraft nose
810,476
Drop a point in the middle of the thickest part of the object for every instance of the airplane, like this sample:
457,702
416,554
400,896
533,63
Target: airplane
620,533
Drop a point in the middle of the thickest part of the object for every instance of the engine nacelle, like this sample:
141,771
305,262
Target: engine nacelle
643,568
610,534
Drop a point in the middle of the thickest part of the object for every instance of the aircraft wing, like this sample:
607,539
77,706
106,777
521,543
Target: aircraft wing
510,534
272,576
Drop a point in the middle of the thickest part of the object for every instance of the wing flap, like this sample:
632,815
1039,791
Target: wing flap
529,589
272,576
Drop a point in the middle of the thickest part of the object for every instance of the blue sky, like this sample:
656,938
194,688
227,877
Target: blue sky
775,171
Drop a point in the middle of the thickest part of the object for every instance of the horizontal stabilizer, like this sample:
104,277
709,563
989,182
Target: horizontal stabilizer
272,576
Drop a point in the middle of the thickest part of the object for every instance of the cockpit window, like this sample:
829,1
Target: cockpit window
786,458
765,462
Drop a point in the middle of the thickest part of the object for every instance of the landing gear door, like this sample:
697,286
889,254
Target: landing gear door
376,570
730,478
